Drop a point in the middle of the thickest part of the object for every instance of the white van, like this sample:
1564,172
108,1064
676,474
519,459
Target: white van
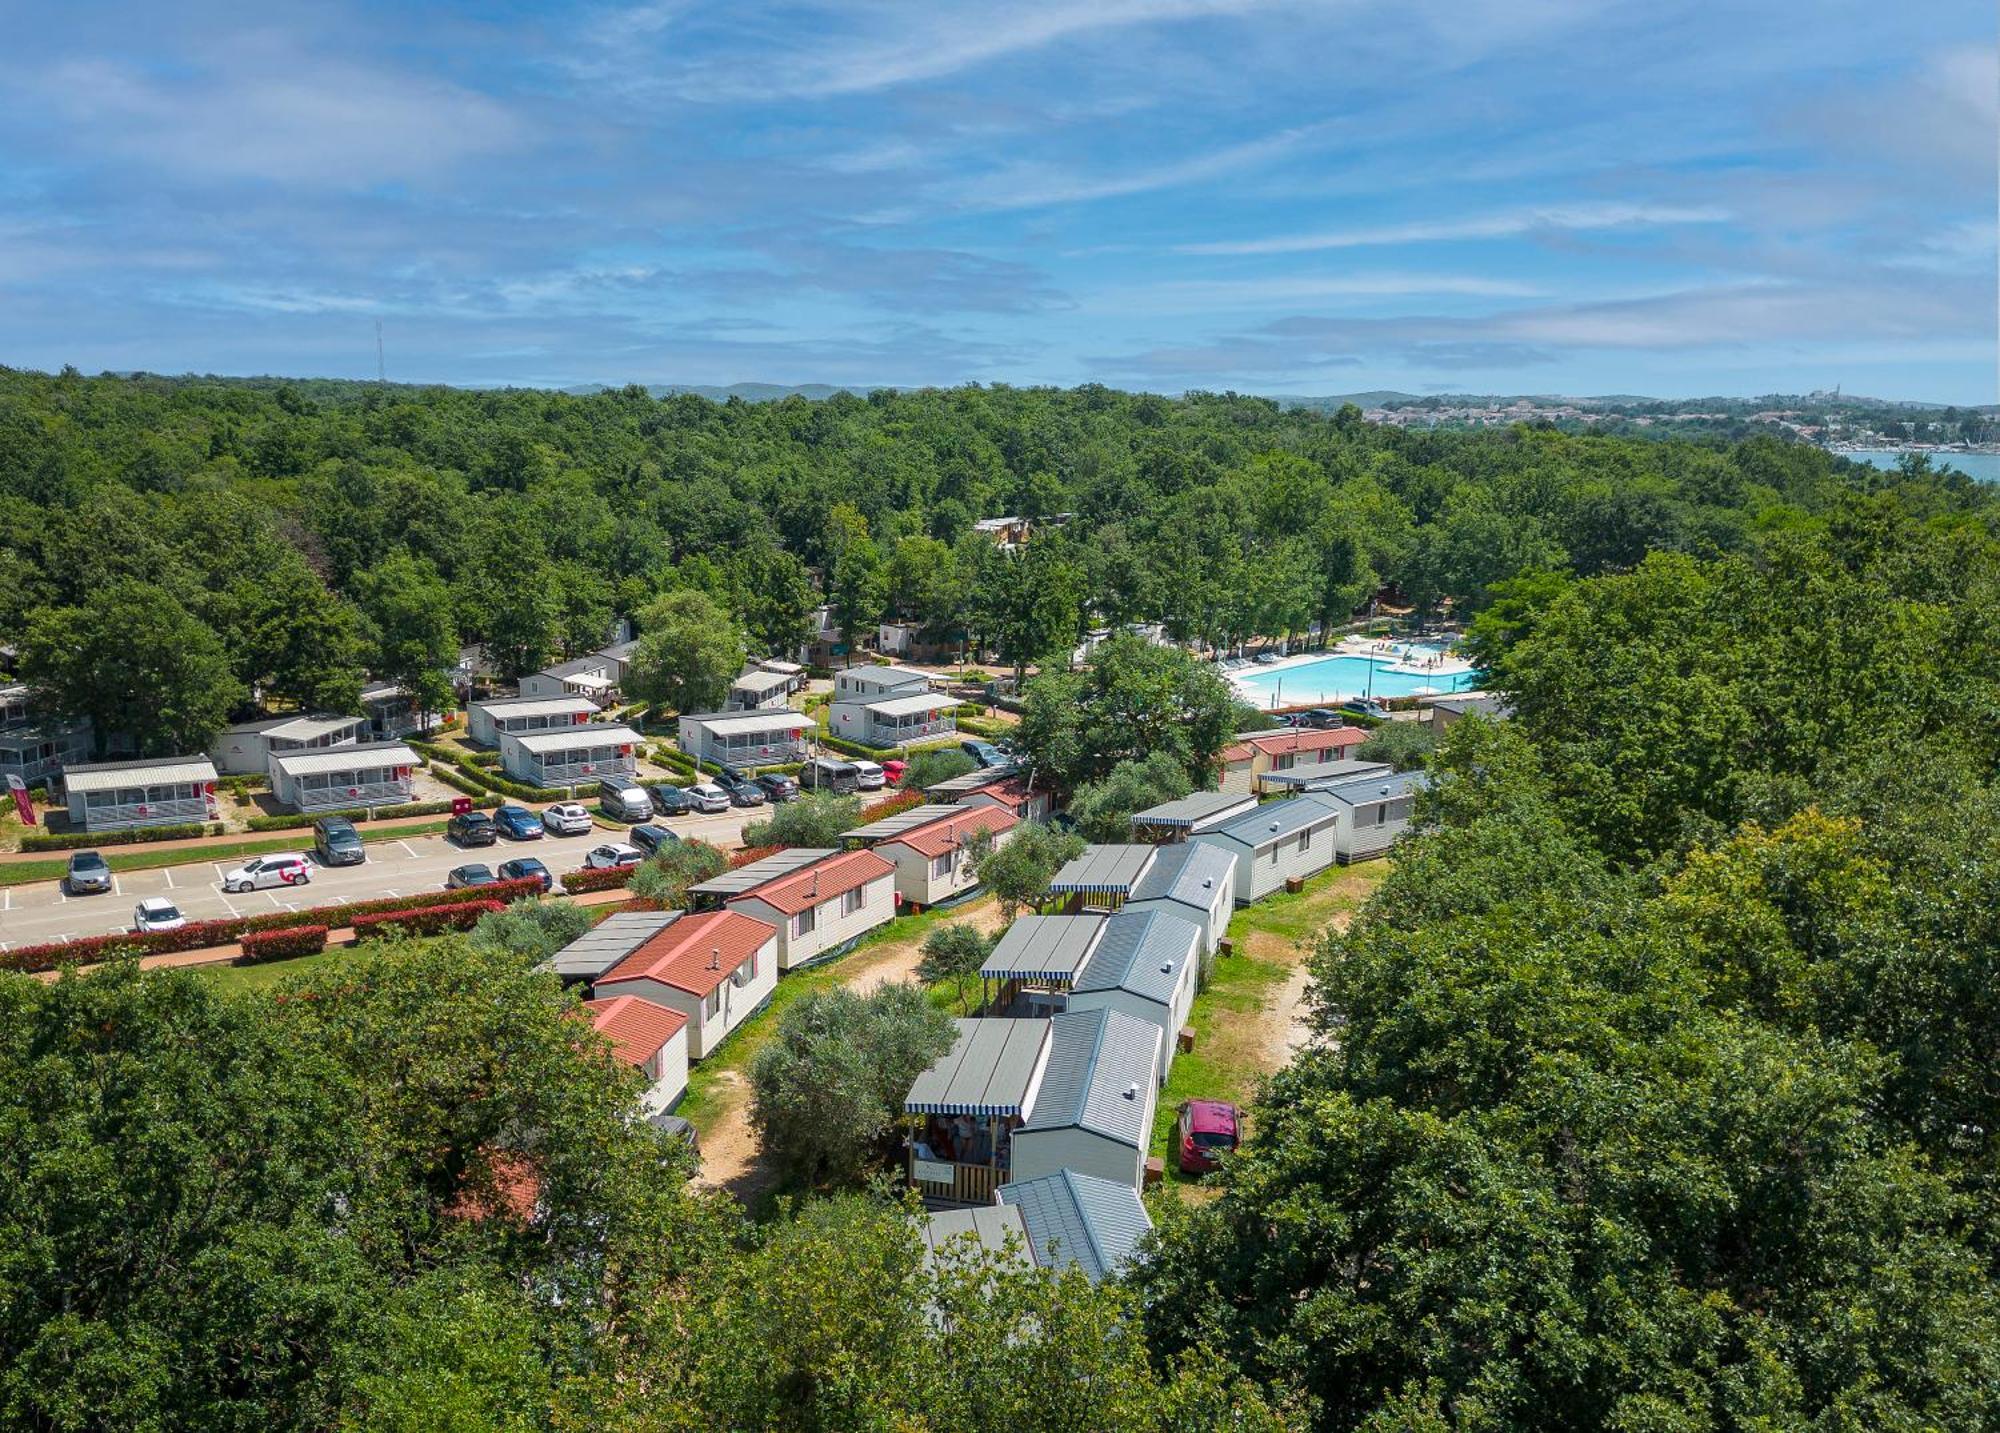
624,801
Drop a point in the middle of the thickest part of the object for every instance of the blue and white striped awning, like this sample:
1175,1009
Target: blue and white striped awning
1103,871
1043,950
992,1071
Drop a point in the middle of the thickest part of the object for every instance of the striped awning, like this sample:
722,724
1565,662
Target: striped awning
1103,871
1043,950
991,1073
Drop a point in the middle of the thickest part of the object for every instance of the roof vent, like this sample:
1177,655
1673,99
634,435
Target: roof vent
1132,1092
715,957
1208,883
1166,967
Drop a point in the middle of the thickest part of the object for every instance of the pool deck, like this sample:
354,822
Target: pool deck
1389,657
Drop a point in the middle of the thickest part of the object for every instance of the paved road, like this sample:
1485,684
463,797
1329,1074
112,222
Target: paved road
39,912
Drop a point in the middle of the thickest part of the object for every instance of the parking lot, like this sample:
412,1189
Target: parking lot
40,912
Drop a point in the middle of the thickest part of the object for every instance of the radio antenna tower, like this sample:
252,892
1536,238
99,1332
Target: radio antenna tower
381,373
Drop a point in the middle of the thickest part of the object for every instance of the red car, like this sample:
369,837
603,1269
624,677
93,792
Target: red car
893,769
1207,1128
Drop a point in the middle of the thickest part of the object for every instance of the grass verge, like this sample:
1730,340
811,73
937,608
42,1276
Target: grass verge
21,873
1239,1027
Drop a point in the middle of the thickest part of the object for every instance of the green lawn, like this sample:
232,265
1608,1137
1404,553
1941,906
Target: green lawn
241,979
21,873
1232,1033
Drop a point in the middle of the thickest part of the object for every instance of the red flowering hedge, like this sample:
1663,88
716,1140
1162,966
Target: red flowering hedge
259,945
891,806
426,920
752,853
198,935
588,879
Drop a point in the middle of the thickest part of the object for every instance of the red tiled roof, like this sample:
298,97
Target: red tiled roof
934,838
637,1028
820,882
1279,743
514,1192
1014,791
696,953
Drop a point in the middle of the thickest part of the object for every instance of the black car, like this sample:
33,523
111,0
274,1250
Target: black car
337,843
778,786
824,773
1319,719
88,874
670,800
650,838
739,790
473,828
527,868
470,876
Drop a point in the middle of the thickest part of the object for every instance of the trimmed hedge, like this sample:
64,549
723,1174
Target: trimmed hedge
197,935
428,920
359,816
752,853
609,878
262,945
459,770
87,840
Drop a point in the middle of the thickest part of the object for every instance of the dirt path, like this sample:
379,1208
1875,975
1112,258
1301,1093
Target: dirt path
730,1156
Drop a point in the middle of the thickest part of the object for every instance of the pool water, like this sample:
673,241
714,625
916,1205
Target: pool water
1325,680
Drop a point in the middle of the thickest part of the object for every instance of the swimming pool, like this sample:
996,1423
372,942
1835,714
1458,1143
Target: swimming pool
1339,678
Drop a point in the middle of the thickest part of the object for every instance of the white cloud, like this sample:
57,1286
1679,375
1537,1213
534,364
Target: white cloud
1555,218
1024,186
267,111
1176,295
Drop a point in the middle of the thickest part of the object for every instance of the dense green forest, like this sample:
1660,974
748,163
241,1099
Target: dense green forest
1657,1087
272,540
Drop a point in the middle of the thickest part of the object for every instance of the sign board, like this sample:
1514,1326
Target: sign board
932,1171
22,804
460,805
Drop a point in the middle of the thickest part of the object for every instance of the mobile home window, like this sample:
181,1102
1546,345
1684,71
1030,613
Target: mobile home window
851,901
803,922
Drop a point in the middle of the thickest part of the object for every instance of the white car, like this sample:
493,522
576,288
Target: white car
708,798
289,869
157,913
612,854
868,776
567,819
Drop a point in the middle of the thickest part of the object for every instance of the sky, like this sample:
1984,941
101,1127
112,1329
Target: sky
1675,198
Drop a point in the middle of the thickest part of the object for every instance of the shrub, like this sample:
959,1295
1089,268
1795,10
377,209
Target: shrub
890,805
588,879
750,855
89,840
1103,809
815,819
1019,870
928,768
534,930
358,815
262,945
831,1082
426,920
665,878
954,952
1405,745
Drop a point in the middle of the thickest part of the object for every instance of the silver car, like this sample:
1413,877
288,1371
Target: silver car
89,874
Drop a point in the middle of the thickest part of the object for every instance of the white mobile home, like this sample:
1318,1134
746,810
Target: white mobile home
1033,966
884,707
604,945
1093,1109
763,738
758,690
1060,1221
652,1039
1246,761
1146,965
121,795
246,748
930,859
716,968
1374,811
569,756
378,774
1195,881
36,751
1279,840
818,907
594,676
392,712
485,721
1102,878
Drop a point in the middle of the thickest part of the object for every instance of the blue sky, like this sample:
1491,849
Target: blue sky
1678,198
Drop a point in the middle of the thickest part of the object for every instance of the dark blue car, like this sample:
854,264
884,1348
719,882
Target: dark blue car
526,868
518,823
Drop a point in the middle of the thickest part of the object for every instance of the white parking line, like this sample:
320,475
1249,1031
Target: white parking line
388,892
228,905
6,899
168,872
115,890
407,850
